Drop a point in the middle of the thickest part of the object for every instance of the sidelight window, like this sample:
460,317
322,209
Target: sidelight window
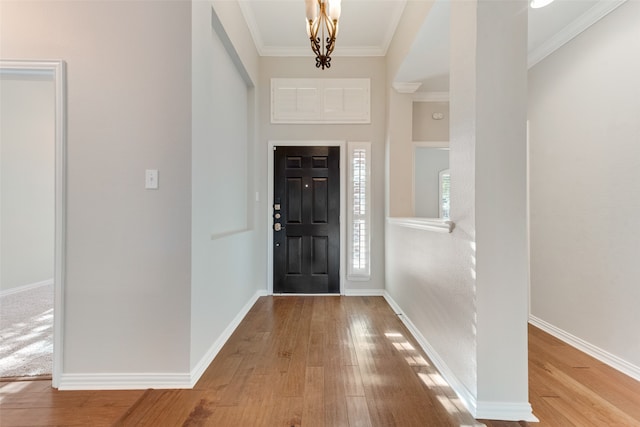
359,218
444,190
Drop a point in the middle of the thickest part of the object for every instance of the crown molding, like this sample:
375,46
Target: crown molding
306,51
431,97
584,21
402,87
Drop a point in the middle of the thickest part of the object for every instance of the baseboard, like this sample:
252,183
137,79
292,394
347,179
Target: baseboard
123,381
215,348
602,355
24,288
160,380
294,295
485,410
505,411
364,292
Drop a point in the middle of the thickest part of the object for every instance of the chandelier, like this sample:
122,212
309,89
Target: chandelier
322,28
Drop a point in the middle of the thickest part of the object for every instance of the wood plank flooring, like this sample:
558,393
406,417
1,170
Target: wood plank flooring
331,362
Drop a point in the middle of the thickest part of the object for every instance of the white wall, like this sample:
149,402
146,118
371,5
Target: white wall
398,177
584,110
225,271
341,67
413,16
27,167
129,109
465,292
502,275
220,149
235,31
429,162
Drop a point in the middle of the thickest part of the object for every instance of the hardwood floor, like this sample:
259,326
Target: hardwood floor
570,388
331,361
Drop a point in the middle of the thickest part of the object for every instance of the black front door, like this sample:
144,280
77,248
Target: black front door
306,217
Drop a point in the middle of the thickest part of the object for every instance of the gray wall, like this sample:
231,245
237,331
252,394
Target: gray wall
27,177
341,67
227,269
584,114
424,127
129,109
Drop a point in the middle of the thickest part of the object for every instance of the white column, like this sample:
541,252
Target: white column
488,158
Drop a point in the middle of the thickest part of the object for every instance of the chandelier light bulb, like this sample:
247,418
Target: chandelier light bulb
334,9
312,9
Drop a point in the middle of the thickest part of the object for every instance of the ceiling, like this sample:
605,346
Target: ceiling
367,27
278,26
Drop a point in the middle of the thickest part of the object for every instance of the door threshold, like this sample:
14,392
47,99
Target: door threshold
290,294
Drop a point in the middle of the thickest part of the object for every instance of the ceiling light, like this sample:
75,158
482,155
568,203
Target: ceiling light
536,4
322,28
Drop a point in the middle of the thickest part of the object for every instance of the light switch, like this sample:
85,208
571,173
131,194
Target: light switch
151,179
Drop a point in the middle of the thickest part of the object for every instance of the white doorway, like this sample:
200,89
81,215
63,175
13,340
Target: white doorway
33,191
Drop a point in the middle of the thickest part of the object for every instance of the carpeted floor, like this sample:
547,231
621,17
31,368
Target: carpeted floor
26,333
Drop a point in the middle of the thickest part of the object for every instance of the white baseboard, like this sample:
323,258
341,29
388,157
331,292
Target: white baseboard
602,355
23,288
123,381
364,292
485,410
215,348
161,380
506,411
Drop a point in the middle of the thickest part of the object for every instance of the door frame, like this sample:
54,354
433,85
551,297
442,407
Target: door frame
343,203
56,72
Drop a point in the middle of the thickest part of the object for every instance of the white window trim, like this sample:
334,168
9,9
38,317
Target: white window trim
359,274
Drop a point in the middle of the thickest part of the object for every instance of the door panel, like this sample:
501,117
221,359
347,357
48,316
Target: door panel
320,205
307,208
293,204
294,254
320,255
